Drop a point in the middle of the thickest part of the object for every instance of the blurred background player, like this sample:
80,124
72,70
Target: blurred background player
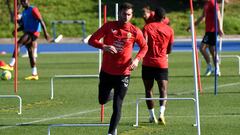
118,41
148,15
32,23
159,37
20,24
209,39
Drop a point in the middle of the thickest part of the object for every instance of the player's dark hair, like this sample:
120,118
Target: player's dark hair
126,6
159,14
146,7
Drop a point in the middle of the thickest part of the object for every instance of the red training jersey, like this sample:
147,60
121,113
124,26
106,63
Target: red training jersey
209,11
160,38
123,37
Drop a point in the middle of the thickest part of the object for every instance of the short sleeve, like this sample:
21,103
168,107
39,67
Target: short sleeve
36,13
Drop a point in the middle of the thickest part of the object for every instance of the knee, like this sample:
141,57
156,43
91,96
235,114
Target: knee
148,93
102,101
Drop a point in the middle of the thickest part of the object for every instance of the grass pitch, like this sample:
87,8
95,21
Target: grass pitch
75,99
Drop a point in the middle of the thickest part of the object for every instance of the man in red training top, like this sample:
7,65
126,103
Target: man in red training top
148,16
31,26
209,39
118,41
159,37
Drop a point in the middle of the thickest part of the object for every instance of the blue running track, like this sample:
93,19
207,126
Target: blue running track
84,48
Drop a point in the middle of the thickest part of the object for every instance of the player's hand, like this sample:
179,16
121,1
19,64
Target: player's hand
221,33
134,64
48,38
109,48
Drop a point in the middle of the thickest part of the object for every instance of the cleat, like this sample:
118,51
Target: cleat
161,120
7,67
153,120
32,77
219,74
208,71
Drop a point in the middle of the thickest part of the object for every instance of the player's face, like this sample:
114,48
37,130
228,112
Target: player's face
25,3
126,15
145,13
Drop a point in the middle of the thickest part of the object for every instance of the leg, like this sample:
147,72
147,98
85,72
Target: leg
203,50
104,87
162,86
24,40
213,54
148,84
35,45
148,81
162,81
120,91
32,59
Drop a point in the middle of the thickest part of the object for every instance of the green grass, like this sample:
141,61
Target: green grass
75,100
88,10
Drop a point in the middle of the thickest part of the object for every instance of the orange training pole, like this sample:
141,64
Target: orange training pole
16,48
198,68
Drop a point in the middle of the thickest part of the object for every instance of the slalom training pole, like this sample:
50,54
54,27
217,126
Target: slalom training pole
195,70
216,52
220,40
198,67
99,51
16,49
194,40
116,11
99,25
104,21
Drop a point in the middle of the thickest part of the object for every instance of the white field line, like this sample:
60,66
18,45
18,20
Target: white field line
210,88
134,117
94,110
53,118
59,117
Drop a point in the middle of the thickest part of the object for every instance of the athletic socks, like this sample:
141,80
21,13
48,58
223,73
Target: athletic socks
162,110
12,62
34,71
151,113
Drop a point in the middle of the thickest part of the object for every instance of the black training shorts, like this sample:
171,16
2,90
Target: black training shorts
108,82
209,38
150,73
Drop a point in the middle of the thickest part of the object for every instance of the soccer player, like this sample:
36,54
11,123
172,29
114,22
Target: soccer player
159,37
209,39
148,16
32,23
118,41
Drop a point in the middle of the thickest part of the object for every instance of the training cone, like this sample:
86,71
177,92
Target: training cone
2,63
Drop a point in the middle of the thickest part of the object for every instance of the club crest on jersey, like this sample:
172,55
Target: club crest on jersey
129,35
